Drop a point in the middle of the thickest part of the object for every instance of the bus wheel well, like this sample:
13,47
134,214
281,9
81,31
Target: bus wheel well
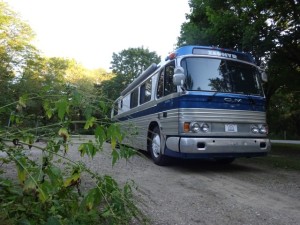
150,129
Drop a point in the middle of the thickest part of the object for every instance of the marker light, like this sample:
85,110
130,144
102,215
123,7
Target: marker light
171,56
186,127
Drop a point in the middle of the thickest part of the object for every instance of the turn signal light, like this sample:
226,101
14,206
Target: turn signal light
186,127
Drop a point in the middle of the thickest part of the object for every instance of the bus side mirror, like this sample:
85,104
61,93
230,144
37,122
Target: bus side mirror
264,76
178,77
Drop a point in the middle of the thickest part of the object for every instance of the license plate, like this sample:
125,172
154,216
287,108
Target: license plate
230,128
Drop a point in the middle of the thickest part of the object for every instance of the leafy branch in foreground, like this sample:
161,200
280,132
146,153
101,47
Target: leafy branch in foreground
46,187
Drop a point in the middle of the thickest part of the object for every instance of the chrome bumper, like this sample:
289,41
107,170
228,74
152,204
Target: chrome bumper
218,145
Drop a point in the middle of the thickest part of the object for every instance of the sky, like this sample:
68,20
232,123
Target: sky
90,31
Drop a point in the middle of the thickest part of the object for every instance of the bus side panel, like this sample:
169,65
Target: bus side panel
135,124
168,114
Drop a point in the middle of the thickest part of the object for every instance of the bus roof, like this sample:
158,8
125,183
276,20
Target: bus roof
186,51
211,51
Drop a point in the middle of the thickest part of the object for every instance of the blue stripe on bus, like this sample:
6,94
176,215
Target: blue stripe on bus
196,101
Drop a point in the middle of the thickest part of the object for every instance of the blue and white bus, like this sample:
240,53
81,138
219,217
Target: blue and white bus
201,102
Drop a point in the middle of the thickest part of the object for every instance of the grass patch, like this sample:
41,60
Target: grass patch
283,156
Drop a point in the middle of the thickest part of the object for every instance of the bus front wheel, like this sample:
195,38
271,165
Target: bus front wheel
156,148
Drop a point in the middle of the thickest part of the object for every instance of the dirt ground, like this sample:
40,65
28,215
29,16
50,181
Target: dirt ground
199,192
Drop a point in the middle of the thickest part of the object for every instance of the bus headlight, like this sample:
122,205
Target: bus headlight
204,127
259,129
195,127
254,129
263,129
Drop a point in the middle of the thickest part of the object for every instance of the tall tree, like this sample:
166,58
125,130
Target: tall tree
127,65
15,51
86,83
258,27
269,30
263,28
15,38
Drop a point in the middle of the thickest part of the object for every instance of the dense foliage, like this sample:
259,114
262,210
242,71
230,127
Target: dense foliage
42,102
270,31
47,187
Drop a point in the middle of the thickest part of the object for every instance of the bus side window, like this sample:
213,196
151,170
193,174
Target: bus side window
145,91
142,93
134,98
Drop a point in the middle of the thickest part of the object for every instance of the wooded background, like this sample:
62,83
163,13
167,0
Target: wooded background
269,30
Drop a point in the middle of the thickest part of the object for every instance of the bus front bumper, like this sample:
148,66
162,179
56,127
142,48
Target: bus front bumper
214,147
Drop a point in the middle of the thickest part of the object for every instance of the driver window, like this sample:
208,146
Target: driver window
169,86
165,82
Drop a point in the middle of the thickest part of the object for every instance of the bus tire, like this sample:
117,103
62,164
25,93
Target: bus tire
156,148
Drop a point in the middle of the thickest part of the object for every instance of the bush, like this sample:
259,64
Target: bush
47,188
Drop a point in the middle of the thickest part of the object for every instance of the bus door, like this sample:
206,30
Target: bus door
167,111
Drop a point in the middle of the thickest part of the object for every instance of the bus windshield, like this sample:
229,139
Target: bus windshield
221,75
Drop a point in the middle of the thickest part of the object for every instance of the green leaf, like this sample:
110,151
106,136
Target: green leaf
92,198
107,213
115,156
20,163
126,152
5,183
23,100
63,132
77,97
62,107
114,134
100,134
115,131
48,109
90,122
29,184
28,138
127,190
43,191
87,148
103,106
12,118
72,180
82,149
55,175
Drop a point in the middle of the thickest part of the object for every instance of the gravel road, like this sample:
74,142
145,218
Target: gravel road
198,192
